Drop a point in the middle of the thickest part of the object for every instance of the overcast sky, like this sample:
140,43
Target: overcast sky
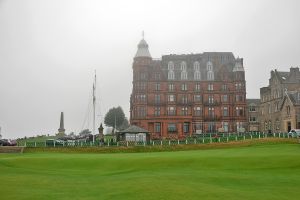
50,48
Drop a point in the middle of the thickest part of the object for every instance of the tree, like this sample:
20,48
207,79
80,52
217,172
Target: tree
115,117
124,125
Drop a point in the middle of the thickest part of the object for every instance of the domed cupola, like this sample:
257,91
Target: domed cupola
143,50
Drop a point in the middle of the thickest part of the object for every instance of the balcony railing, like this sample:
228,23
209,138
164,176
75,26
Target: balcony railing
214,103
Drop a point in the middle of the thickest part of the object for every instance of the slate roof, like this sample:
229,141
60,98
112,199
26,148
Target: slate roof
143,50
295,97
134,129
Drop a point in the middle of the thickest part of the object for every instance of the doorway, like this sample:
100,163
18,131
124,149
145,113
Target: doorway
289,126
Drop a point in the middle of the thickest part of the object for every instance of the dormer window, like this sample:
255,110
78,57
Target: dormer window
183,71
210,75
196,66
183,66
171,75
170,65
183,75
197,75
209,66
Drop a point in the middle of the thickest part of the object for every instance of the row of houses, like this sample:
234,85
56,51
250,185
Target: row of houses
278,109
177,96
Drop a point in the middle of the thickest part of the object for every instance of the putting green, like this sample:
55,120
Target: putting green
269,171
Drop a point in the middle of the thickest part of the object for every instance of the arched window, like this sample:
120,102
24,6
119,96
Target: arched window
210,75
209,66
171,75
170,65
196,66
183,66
197,75
183,75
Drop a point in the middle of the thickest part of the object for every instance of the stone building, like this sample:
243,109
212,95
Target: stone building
180,95
280,102
252,113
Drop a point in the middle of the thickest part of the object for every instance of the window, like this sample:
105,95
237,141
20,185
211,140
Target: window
197,98
157,86
224,98
210,75
210,99
252,119
210,87
197,75
288,110
171,75
197,127
184,99
171,110
266,125
211,127
157,111
157,98
197,111
170,66
141,111
277,124
269,108
140,98
183,66
171,87
225,126
239,98
239,111
157,127
225,111
252,108
239,126
183,75
157,76
184,111
209,66
171,98
197,87
172,127
196,66
276,106
224,87
142,75
143,86
184,87
211,112
186,127
238,86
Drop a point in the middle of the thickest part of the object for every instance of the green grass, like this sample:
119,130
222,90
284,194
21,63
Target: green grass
264,171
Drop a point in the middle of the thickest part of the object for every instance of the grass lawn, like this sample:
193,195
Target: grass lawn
265,171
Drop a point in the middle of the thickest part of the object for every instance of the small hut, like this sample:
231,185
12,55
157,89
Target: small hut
133,134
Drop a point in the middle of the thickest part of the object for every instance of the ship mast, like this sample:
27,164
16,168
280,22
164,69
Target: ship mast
94,107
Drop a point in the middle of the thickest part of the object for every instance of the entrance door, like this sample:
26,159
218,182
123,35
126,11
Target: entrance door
289,126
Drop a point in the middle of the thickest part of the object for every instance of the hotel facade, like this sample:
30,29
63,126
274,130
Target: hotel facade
177,96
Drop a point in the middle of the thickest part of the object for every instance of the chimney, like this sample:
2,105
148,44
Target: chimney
294,70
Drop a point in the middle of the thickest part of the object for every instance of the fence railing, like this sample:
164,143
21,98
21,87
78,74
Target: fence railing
201,139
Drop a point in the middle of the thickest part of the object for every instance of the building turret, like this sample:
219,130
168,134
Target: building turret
143,51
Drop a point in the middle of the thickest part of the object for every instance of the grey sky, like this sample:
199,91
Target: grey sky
49,50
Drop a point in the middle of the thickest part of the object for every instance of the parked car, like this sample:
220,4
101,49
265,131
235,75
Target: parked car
294,133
